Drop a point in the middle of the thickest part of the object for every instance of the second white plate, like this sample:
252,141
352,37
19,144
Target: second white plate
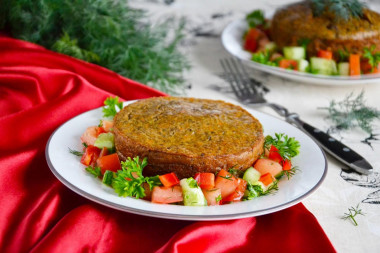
232,40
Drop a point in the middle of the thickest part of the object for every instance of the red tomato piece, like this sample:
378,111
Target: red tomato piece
100,130
166,195
266,179
325,54
107,125
274,154
109,162
226,182
90,155
354,65
205,180
89,136
288,64
251,39
169,179
213,196
366,67
104,152
286,165
238,194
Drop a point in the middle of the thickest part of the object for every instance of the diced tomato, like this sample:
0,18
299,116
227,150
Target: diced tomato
99,130
166,195
238,194
264,166
205,180
107,125
109,162
286,165
226,182
274,154
169,179
266,179
325,54
89,136
354,64
90,155
288,64
366,67
104,152
213,196
251,39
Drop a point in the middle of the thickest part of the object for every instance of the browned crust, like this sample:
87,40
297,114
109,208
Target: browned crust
296,22
186,164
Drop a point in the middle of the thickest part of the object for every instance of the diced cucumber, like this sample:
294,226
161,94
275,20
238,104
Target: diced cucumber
253,192
294,53
344,69
251,175
105,140
107,177
192,193
303,65
270,47
323,66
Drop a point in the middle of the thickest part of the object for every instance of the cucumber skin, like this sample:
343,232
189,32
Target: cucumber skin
192,196
251,175
294,53
323,66
303,65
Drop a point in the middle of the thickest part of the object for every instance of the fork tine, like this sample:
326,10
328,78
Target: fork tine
245,81
227,70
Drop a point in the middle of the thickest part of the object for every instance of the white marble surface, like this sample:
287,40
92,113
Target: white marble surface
205,22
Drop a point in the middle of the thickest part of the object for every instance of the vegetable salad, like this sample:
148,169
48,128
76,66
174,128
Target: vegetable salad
227,186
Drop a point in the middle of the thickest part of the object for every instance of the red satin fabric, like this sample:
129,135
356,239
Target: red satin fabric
40,90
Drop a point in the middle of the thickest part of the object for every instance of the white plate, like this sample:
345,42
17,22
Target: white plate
68,169
232,40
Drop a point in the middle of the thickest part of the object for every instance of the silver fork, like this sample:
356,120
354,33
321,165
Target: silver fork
250,91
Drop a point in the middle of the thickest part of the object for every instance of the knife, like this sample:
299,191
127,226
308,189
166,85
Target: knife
334,147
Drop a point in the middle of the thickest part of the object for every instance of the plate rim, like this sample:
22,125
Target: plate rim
293,75
164,215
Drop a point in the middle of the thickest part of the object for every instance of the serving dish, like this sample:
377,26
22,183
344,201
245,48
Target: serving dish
67,168
232,40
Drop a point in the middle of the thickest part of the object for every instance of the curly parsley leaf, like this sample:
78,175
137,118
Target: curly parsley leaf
255,18
129,180
288,147
264,58
112,106
95,171
372,57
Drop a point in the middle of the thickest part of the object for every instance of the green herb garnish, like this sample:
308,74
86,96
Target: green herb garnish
291,172
109,33
342,9
255,18
288,147
94,171
219,198
254,191
112,105
373,58
129,180
75,152
192,182
352,112
352,212
264,58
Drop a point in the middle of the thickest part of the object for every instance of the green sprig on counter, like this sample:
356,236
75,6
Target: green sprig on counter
104,32
352,112
352,213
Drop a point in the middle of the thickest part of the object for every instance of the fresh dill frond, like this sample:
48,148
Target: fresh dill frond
106,32
75,152
290,173
352,213
342,9
352,112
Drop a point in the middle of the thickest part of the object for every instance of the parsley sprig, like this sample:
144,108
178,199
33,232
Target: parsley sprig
352,213
129,180
373,57
255,18
112,105
288,147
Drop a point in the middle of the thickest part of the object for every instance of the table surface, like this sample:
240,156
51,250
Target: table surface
341,189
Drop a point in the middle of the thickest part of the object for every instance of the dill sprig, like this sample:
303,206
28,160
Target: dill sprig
342,9
352,213
352,112
75,152
105,32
